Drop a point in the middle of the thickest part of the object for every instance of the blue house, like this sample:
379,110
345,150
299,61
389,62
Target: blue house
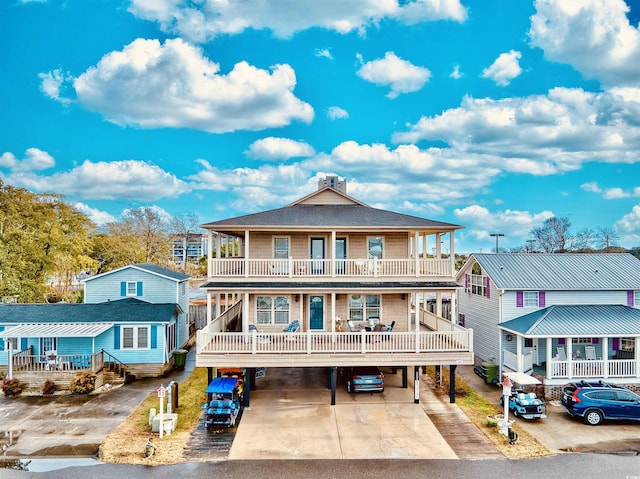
133,320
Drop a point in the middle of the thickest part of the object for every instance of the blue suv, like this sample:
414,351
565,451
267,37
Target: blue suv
597,401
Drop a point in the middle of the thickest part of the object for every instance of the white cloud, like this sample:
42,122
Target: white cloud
504,69
34,160
152,85
337,113
272,148
539,134
628,227
591,187
128,179
402,76
324,53
611,193
480,222
594,36
97,216
205,19
52,82
456,74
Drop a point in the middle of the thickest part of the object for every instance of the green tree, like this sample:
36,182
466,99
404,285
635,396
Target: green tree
36,232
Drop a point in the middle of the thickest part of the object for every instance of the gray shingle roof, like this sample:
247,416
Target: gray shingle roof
150,268
565,271
578,321
334,216
126,310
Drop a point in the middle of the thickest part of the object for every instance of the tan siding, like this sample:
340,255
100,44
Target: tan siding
395,246
327,197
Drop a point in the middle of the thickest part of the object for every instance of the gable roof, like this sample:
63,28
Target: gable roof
328,208
577,321
128,310
559,271
149,268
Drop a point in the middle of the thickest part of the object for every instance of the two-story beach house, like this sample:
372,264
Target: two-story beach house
328,281
132,321
559,317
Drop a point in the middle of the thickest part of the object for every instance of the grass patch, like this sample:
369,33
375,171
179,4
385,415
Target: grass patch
126,442
478,408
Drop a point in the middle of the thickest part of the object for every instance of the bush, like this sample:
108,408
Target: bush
48,388
11,387
83,383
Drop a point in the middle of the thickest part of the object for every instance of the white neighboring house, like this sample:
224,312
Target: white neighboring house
562,317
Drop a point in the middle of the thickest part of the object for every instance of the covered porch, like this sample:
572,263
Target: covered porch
564,343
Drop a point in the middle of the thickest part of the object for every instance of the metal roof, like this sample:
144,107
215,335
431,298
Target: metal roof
560,271
222,386
128,310
344,216
149,268
577,321
59,330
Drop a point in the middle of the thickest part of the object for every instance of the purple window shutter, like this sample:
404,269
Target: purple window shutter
488,289
615,344
595,340
519,299
561,341
541,299
630,296
466,282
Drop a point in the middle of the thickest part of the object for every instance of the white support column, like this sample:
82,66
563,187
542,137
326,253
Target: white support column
246,253
454,307
439,304
209,252
605,357
416,252
452,255
245,313
209,312
333,312
570,358
333,258
9,358
519,340
218,310
548,359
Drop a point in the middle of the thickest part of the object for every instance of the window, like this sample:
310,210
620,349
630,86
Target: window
272,310
627,344
636,298
582,341
171,336
531,299
48,344
15,342
135,337
374,247
131,288
280,247
364,307
477,285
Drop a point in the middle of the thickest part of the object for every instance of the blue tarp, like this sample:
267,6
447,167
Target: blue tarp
222,386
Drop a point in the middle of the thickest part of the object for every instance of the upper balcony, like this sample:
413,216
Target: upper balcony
323,269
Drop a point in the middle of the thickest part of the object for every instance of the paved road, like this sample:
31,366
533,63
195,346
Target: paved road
584,466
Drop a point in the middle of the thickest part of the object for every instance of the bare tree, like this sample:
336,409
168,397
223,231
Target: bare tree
553,235
583,240
606,237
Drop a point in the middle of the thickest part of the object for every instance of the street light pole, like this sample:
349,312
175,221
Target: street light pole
497,235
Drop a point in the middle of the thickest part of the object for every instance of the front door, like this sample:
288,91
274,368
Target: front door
317,253
316,312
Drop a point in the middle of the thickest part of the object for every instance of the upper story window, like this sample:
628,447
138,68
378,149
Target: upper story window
135,337
364,307
280,247
476,282
530,299
131,288
374,247
272,310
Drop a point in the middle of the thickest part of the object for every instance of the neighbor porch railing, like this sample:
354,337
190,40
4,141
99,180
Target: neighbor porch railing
314,268
61,362
594,369
334,342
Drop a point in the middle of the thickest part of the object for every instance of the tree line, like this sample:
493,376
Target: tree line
45,243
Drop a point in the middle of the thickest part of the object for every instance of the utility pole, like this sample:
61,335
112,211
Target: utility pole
497,235
530,249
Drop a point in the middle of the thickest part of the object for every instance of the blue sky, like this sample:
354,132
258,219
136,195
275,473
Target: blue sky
491,114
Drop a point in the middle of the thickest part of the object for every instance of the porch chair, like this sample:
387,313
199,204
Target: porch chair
261,339
562,355
590,352
292,327
52,360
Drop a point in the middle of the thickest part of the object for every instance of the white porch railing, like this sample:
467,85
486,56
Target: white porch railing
510,361
593,369
314,268
333,343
